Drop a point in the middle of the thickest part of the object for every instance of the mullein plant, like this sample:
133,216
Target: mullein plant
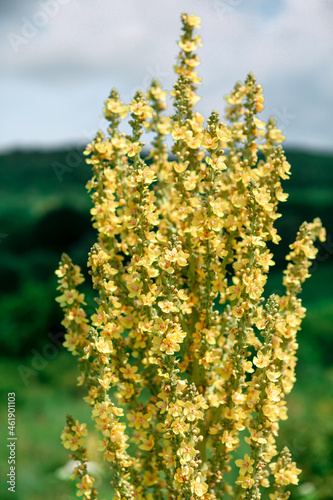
185,362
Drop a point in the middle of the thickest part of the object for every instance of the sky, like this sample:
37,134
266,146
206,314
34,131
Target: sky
60,58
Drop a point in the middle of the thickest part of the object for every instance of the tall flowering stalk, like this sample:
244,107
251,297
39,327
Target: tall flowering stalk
184,360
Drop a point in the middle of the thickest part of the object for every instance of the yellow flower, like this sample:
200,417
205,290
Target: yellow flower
133,148
192,412
263,197
273,392
71,442
148,175
191,181
167,306
163,406
209,142
165,265
85,486
175,409
270,411
141,109
148,443
245,465
150,478
170,344
116,107
79,429
262,360
181,294
127,390
199,487
245,481
186,452
230,440
178,133
193,21
134,288
285,475
234,292
101,410
217,207
148,299
138,420
129,371
104,346
183,474
107,379
179,426
180,167
168,457
188,46
69,297
117,433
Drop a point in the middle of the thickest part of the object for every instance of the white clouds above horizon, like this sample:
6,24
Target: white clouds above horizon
56,83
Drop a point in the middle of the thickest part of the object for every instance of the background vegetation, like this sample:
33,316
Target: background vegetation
44,210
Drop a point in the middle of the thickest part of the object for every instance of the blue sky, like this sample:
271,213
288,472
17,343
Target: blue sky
60,58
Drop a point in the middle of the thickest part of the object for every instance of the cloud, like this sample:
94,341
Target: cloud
85,47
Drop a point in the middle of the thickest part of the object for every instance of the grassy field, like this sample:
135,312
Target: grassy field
47,395
42,406
44,212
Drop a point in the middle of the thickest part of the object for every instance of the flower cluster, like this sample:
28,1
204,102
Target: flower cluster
73,439
184,359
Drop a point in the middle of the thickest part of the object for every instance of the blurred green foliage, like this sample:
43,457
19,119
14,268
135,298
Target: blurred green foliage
42,403
44,211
